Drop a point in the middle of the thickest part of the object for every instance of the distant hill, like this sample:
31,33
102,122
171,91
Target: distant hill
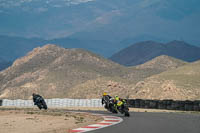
162,63
57,72
155,66
52,71
12,47
181,83
142,52
101,47
125,83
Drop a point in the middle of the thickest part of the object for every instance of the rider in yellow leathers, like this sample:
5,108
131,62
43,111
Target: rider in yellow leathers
118,102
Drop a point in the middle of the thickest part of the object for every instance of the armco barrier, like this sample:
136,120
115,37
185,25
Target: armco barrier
168,104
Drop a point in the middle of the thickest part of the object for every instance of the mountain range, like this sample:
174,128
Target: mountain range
57,72
12,48
142,52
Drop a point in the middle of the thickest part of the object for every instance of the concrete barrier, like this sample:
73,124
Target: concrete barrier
55,103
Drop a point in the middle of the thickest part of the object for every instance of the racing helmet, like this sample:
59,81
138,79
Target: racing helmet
104,94
116,97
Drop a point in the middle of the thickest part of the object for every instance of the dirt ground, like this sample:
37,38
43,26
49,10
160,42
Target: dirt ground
54,120
15,120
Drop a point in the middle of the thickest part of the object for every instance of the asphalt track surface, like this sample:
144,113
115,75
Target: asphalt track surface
146,122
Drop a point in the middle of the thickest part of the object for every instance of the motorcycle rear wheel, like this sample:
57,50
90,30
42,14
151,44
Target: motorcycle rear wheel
126,113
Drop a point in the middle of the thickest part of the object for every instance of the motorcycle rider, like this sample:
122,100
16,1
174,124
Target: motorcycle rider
39,101
36,98
120,105
105,100
118,102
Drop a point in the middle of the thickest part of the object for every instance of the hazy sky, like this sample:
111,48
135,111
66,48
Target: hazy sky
111,20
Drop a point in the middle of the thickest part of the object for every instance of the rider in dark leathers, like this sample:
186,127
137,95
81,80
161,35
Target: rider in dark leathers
105,100
39,101
36,98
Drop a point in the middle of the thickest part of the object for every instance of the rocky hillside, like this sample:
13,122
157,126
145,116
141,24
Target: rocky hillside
162,63
52,71
180,83
123,84
142,52
56,72
155,66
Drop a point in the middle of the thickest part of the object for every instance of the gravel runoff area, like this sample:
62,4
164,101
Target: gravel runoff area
33,120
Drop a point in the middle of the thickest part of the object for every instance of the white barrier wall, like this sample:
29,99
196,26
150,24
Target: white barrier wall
55,103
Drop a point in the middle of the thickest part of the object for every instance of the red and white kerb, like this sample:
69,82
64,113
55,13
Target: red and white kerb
108,121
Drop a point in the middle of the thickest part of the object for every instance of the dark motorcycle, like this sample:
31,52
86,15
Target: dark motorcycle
123,109
112,106
109,105
40,102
